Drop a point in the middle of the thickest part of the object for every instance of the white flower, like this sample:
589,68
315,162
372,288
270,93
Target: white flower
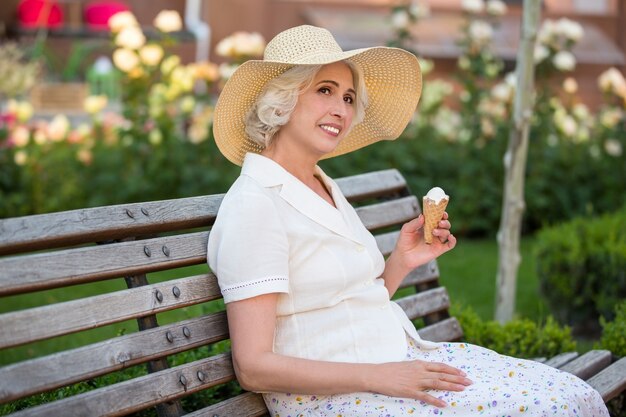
480,32
610,118
227,70
541,53
130,37
581,112
22,110
58,127
20,136
169,63
187,104
567,125
502,92
151,54
182,77
463,62
122,20
473,6
241,44
125,59
511,79
613,147
569,29
496,7
420,10
20,158
155,137
168,21
564,61
95,104
612,81
570,86
547,31
400,19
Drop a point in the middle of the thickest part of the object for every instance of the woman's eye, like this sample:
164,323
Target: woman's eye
324,90
348,99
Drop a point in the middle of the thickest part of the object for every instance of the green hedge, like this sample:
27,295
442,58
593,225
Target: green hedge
581,265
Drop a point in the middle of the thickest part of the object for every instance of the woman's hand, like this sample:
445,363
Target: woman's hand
412,379
411,248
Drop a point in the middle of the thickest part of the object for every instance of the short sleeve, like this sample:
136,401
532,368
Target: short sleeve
248,249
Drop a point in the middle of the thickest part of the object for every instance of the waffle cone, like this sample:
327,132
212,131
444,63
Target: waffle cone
433,212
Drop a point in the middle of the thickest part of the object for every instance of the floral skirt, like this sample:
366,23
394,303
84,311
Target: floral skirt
503,387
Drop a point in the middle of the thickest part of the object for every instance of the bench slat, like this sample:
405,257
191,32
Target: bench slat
140,393
443,331
248,404
389,213
426,302
53,230
422,274
19,274
49,372
87,313
588,364
611,381
371,184
561,359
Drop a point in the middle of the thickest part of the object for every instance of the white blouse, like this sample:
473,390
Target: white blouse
273,234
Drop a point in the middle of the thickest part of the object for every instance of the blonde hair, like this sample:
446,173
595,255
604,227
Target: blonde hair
273,109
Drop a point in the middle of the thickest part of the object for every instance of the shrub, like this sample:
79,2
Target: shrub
614,332
522,338
581,267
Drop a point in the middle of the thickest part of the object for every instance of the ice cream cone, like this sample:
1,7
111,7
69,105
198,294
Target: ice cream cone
433,212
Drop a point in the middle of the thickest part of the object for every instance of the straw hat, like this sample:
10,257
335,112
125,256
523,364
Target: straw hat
392,77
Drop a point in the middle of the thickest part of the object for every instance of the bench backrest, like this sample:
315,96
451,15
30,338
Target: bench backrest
45,256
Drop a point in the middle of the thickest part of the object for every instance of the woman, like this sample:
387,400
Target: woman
307,291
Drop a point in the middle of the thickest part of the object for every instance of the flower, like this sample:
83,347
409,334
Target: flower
85,156
155,137
480,32
564,61
473,6
227,70
612,81
20,136
400,19
502,92
569,29
187,104
570,86
20,158
611,117
151,54
419,10
182,77
169,64
206,71
58,128
22,110
241,44
125,59
122,20
168,21
496,7
541,52
131,37
613,147
95,104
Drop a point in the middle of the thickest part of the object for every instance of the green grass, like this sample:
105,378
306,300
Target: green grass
469,273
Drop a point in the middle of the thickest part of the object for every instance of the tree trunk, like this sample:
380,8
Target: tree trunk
515,167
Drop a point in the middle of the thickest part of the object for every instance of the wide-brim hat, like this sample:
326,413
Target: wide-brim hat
392,77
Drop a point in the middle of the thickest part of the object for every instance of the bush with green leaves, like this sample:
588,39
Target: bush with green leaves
614,332
581,265
521,338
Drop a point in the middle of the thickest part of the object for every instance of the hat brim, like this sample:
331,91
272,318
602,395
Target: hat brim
392,78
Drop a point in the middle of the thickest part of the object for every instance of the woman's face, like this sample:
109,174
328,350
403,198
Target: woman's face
324,111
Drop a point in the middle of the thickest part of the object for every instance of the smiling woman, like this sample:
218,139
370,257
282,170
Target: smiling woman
307,290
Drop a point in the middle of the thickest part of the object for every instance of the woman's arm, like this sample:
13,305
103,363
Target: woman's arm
412,251
252,322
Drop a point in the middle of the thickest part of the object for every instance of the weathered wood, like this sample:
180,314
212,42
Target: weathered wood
561,359
423,303
389,213
444,331
387,241
87,313
71,366
46,231
140,393
422,275
611,381
588,364
248,404
371,184
19,274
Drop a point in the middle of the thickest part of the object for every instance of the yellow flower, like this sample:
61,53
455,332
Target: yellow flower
168,21
511,373
187,104
122,20
151,54
58,127
206,71
20,158
169,64
131,37
570,86
95,104
125,59
480,408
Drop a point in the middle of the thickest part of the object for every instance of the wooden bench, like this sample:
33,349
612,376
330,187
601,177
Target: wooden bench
126,244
